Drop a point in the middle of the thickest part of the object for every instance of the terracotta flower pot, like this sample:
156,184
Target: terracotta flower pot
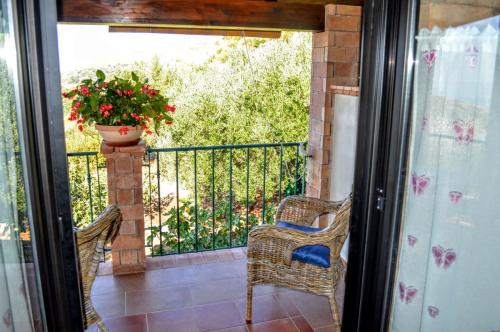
119,135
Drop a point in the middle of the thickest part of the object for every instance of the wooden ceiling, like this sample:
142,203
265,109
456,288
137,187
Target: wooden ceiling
238,14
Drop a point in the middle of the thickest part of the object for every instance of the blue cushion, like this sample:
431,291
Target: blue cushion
298,227
314,254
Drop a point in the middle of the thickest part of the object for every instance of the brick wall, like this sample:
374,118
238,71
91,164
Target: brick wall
335,69
124,169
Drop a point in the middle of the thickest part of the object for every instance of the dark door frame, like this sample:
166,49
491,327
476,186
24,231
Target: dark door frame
388,32
44,153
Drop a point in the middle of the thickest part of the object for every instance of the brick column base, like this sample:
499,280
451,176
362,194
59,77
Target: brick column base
124,168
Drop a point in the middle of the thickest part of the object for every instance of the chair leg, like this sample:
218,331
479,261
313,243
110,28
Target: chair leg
249,303
101,326
335,313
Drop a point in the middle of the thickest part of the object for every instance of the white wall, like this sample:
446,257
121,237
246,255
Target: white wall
343,145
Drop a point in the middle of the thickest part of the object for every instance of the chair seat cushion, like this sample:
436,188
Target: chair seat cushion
318,255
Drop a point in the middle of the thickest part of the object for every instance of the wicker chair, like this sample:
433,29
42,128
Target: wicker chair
90,243
270,249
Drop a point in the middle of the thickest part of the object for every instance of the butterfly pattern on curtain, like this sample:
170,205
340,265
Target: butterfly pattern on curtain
439,283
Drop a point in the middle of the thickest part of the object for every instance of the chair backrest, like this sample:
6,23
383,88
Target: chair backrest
339,228
90,243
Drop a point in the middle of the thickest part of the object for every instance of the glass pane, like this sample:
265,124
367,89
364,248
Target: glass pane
20,308
448,266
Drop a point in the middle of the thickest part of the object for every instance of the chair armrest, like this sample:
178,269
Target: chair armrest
303,211
110,216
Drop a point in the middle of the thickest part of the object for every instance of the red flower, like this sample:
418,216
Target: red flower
80,127
169,108
128,92
149,132
152,92
119,92
123,130
145,88
65,94
105,108
169,122
85,90
105,85
72,116
106,114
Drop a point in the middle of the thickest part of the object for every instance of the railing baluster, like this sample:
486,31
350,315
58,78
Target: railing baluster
264,187
99,194
195,204
296,169
248,184
158,180
304,167
230,197
281,171
89,182
150,204
177,201
213,199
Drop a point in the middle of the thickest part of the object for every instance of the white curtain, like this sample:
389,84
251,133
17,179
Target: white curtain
448,275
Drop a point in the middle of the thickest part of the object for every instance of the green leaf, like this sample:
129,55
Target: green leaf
94,104
135,78
100,75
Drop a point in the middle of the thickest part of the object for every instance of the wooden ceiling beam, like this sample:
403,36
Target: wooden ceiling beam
198,31
242,14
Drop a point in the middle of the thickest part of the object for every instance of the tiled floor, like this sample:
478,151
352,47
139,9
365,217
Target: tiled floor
204,292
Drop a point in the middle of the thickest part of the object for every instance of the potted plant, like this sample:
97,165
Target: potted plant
121,109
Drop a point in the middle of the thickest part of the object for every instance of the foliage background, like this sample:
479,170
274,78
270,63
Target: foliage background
251,91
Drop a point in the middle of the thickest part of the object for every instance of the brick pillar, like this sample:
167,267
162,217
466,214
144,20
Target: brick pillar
124,165
335,62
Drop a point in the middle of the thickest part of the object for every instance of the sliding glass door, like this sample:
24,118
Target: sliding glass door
447,275
21,308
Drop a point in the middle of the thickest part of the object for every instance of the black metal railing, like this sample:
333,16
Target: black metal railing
197,198
209,197
87,177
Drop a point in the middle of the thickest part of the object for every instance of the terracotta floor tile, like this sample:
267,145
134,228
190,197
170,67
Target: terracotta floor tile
209,295
241,328
265,308
217,316
219,270
302,324
281,325
180,320
135,323
171,277
106,285
211,256
287,304
157,300
218,290
314,308
109,305
239,253
225,255
182,260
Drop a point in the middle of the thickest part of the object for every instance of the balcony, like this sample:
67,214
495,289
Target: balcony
203,291
200,203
